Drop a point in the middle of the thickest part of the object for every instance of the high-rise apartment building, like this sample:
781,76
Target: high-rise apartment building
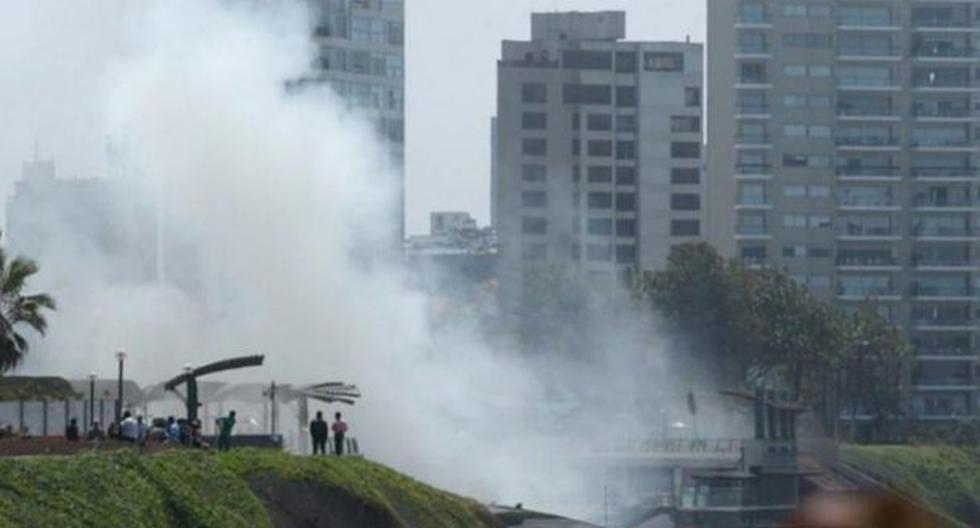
597,148
362,57
843,148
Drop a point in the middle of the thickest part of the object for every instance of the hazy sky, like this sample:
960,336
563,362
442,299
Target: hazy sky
453,47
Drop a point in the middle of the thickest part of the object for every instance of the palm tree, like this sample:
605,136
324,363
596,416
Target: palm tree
18,309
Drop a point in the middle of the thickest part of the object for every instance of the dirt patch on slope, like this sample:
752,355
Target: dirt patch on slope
305,504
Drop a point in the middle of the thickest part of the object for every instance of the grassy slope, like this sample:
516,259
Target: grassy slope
947,478
202,489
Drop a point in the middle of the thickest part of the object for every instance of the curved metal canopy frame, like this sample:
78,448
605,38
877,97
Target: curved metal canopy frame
190,378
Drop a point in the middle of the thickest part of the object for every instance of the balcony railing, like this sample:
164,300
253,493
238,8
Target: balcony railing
866,202
751,231
942,83
866,292
855,231
753,18
943,232
940,262
868,21
944,172
857,111
945,351
867,141
941,142
925,290
866,261
955,22
867,82
944,53
753,108
926,201
752,139
941,112
751,169
753,49
867,51
863,170
753,79
943,321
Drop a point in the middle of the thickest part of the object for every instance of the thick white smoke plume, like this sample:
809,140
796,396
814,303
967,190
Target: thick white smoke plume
264,194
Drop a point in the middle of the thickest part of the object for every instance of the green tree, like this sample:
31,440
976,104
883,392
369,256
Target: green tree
18,309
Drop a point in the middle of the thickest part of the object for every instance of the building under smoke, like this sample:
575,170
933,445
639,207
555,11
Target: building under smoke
597,149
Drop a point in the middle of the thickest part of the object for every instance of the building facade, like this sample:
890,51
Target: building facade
842,147
597,148
362,57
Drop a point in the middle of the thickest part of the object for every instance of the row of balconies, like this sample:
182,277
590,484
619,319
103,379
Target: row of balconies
872,21
851,111
764,169
894,83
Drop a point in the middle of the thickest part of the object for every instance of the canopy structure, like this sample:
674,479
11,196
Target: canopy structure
25,388
190,378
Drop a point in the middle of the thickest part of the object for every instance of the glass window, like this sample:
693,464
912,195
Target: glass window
625,202
625,150
534,199
625,254
663,61
685,176
599,252
600,226
625,123
600,122
626,62
626,96
534,147
600,200
600,148
685,202
795,221
626,228
600,174
685,150
586,60
532,173
595,94
683,124
534,120
534,93
692,97
685,228
625,176
534,225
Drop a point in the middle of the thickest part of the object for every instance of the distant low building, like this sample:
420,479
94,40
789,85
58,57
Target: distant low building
456,261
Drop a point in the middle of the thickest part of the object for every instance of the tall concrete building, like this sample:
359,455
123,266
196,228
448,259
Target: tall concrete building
597,148
362,57
843,148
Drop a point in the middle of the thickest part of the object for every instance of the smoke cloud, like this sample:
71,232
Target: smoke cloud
264,196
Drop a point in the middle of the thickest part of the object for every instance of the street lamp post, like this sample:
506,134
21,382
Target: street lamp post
121,356
91,398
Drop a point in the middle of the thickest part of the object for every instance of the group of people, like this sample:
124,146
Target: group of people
319,433
175,431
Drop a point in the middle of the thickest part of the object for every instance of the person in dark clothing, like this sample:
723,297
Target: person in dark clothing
339,431
71,432
319,433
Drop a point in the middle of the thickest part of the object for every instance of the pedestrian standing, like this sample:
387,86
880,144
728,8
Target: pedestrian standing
224,434
319,433
339,432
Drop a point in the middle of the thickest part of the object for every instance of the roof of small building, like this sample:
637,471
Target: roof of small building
35,388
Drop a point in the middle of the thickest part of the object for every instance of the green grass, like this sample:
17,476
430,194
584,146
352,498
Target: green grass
197,489
947,478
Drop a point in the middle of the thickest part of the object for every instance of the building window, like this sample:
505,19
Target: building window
807,40
534,93
534,147
626,123
663,61
684,124
534,225
600,200
626,96
576,147
626,228
626,62
534,199
626,254
685,176
534,173
586,60
625,202
600,174
576,174
534,120
625,176
600,226
594,94
600,148
692,97
685,202
685,228
599,252
535,252
685,150
599,122
625,150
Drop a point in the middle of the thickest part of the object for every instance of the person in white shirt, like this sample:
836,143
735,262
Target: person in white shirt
129,429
